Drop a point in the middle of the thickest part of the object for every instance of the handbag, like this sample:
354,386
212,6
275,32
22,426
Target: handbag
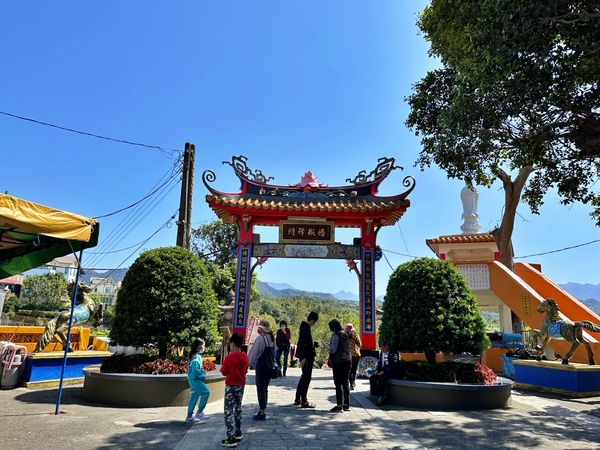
329,362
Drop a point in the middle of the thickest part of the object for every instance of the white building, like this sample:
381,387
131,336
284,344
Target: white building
65,265
107,288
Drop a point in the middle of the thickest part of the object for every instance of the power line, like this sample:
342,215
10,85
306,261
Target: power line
136,211
402,236
98,269
132,225
401,254
133,204
164,150
142,243
558,250
113,251
388,261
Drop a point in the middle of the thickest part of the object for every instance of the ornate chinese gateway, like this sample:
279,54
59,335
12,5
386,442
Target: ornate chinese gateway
307,214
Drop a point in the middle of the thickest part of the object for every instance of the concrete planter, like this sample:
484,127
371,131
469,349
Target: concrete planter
449,396
144,391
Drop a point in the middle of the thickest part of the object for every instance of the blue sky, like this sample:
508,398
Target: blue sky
295,86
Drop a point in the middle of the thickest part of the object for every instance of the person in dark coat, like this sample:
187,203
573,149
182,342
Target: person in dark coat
388,360
282,341
305,352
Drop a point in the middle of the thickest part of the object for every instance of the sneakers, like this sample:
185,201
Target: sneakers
381,400
229,443
352,387
346,407
336,409
239,436
189,419
307,405
260,416
199,417
297,402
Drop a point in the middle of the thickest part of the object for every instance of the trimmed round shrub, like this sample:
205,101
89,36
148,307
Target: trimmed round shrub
166,300
430,308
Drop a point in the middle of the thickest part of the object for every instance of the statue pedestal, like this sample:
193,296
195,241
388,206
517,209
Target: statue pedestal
576,380
43,369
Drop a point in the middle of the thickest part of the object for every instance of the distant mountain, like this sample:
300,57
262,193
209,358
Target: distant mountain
593,304
280,286
268,290
117,274
345,295
582,291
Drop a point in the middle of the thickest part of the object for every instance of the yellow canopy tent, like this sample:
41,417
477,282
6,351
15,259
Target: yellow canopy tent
32,234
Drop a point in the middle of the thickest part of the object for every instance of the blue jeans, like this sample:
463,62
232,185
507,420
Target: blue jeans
198,390
285,351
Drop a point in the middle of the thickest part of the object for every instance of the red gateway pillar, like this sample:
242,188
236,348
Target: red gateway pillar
243,276
367,286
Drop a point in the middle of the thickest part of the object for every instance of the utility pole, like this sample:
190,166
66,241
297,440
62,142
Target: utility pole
184,224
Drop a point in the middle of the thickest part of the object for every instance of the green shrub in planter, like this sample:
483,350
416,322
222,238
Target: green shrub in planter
166,299
430,308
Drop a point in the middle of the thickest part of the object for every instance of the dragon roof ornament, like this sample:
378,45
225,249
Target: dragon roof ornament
242,170
363,186
383,169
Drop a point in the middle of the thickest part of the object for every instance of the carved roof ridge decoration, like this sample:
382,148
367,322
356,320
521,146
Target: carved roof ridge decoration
364,186
383,169
243,171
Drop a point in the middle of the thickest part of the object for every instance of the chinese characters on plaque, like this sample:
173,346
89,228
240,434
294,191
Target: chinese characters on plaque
305,232
242,289
368,289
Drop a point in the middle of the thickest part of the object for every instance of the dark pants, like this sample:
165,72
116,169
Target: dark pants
340,379
262,380
378,383
353,369
285,351
304,382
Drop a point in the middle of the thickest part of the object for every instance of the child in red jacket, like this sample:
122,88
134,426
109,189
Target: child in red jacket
234,368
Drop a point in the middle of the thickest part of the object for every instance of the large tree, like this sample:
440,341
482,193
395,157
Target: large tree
48,290
166,299
216,242
517,99
429,308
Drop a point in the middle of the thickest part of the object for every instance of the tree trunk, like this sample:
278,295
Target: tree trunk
162,351
512,196
430,355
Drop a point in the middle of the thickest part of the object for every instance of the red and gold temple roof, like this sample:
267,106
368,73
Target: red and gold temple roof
349,205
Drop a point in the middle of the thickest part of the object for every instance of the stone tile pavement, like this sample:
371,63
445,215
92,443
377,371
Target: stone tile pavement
534,421
290,427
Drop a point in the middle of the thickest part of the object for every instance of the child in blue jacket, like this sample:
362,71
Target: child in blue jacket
198,389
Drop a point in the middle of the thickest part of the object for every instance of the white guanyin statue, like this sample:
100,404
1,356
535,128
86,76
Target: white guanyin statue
469,197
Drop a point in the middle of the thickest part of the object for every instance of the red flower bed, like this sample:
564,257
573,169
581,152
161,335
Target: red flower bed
445,372
143,364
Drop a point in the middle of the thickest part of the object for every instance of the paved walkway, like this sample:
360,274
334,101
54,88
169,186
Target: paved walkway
534,421
290,427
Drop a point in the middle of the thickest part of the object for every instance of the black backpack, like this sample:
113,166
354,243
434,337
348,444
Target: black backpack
342,352
266,361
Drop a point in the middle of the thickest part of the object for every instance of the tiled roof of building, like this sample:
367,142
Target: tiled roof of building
461,239
329,205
